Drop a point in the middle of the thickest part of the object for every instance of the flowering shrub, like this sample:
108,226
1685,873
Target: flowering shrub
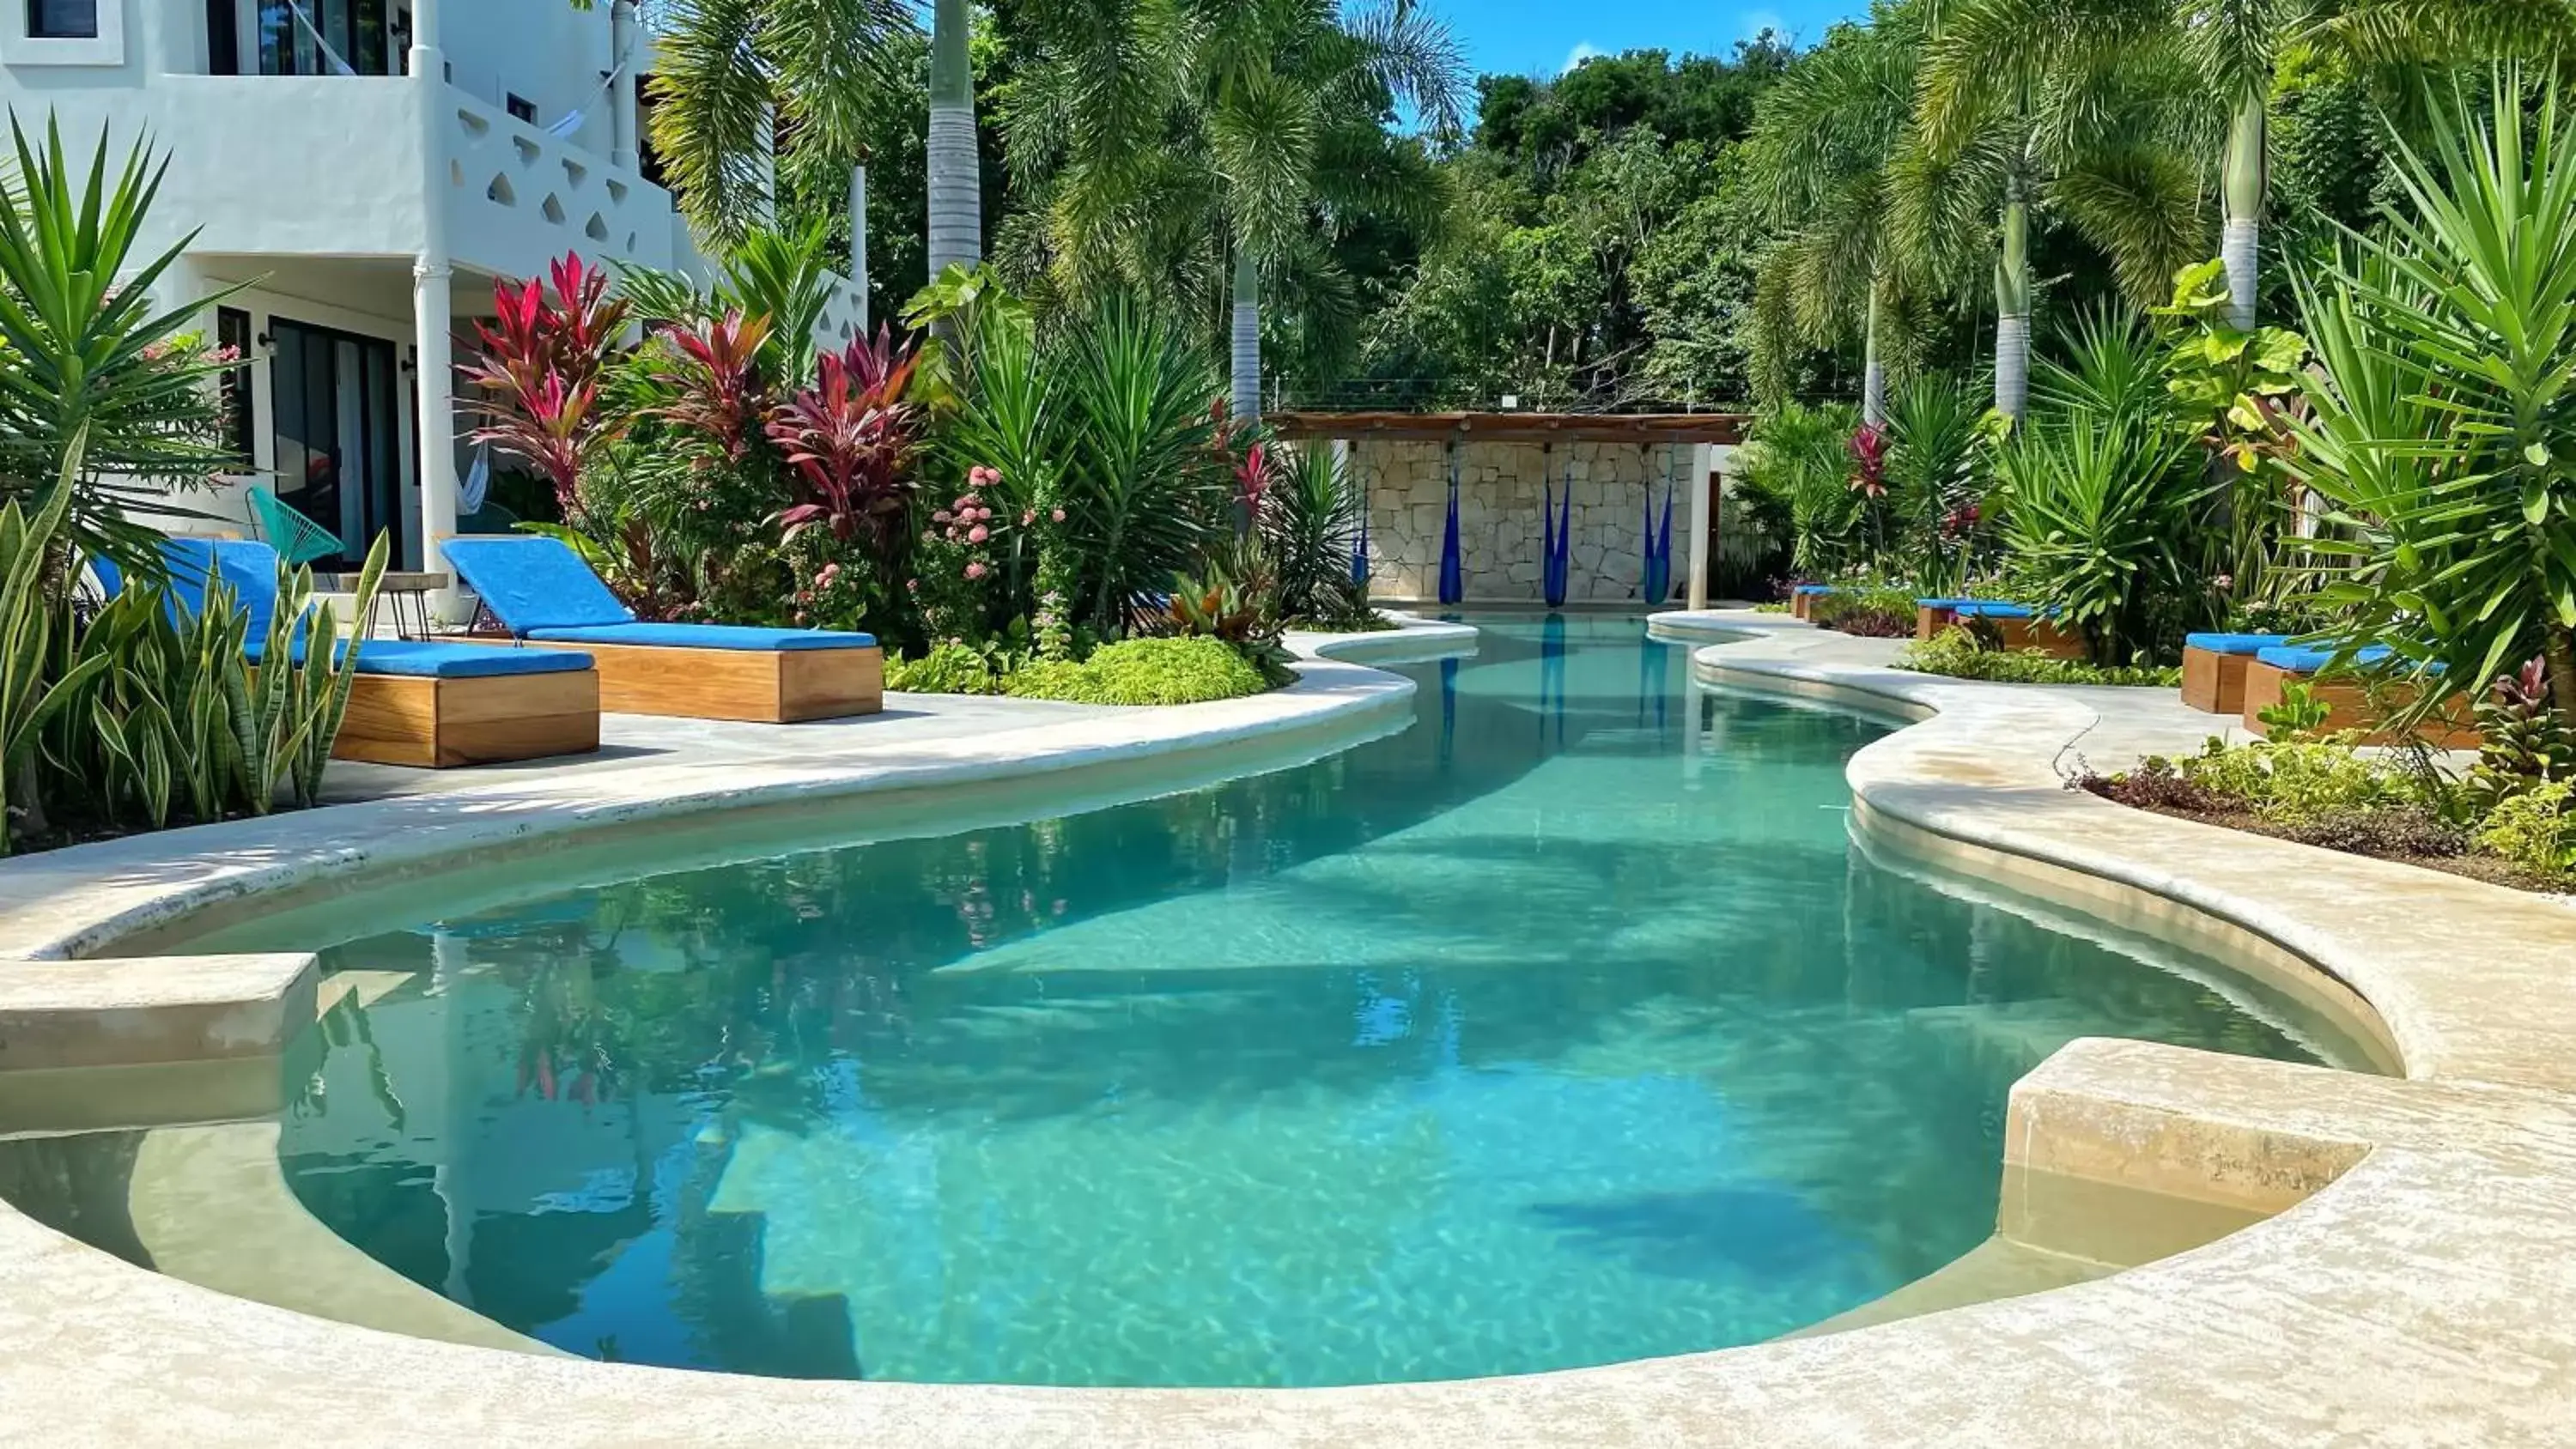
955,581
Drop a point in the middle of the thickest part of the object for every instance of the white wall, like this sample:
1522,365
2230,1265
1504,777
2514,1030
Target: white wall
543,50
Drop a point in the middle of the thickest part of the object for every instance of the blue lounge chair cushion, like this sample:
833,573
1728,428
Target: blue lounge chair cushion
1812,589
531,583
1988,609
2235,643
431,660
247,567
2302,659
1952,604
706,636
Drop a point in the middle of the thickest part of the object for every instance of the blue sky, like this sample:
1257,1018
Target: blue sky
1541,36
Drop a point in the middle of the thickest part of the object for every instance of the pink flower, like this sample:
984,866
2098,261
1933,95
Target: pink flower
975,570
912,585
977,534
1028,518
983,477
942,516
1057,515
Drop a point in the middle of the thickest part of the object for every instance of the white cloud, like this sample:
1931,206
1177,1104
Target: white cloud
1577,56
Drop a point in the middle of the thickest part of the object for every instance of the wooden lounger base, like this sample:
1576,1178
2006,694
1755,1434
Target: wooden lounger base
2035,636
2214,683
762,686
440,724
2348,707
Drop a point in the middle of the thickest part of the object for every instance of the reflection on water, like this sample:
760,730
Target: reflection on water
1564,1028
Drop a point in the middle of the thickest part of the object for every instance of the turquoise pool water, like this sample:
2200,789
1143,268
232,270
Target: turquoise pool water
1565,1027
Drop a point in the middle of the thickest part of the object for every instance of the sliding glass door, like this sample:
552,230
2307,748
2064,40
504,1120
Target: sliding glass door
339,455
329,37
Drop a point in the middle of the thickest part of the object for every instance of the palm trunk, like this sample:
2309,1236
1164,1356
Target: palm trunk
2559,647
859,240
2240,244
2012,306
955,167
1247,337
1873,385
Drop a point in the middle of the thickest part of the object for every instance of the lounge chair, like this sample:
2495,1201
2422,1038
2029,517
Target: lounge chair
2021,627
427,705
1931,616
2214,665
1802,599
547,597
2347,697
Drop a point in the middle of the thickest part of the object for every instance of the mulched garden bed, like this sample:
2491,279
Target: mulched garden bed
2408,837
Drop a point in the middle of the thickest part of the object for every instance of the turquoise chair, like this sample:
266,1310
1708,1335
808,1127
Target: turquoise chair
297,539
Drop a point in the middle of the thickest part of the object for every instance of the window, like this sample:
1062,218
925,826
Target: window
523,108
232,333
62,19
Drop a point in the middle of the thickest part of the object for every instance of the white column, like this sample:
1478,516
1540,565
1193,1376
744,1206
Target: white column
1703,467
859,241
431,311
624,54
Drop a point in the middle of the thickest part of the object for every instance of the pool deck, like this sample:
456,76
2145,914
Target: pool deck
2417,1286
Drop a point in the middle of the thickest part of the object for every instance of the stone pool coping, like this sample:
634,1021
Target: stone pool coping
2416,1287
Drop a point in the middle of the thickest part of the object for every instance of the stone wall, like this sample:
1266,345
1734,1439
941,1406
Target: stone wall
1501,543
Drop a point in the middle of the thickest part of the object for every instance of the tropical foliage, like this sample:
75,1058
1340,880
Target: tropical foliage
86,353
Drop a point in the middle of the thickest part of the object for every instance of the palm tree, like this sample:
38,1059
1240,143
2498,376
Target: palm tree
2104,144
1185,141
736,77
956,166
2233,50
1276,79
1824,145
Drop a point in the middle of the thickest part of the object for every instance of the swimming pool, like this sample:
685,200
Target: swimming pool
1563,1028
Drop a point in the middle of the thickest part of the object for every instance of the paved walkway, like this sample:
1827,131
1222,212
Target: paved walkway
627,741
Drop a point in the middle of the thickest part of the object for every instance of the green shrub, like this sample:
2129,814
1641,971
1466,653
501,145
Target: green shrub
2298,715
1872,612
2300,780
1145,671
2535,830
951,668
1955,653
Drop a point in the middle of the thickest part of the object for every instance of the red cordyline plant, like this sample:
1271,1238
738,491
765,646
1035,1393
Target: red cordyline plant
1252,475
849,438
534,375
716,369
1869,462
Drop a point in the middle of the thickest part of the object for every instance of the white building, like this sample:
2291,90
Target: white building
368,168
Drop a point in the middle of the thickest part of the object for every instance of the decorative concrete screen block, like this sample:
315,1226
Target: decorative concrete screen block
1602,489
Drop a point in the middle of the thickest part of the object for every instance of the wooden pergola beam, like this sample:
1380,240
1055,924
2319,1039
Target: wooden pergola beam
1719,428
